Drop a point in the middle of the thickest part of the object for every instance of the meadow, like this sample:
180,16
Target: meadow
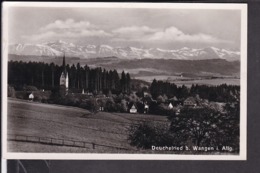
189,81
63,122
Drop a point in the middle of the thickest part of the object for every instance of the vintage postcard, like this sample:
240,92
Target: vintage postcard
128,81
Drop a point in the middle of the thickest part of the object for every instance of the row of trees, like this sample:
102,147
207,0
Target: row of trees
169,89
47,76
221,93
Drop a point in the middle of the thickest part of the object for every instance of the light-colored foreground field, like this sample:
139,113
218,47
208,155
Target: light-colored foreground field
69,123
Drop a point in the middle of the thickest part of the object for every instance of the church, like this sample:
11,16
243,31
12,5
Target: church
64,79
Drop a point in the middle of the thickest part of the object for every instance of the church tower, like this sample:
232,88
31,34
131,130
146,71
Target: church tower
64,79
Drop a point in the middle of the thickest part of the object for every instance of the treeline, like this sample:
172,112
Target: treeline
220,93
47,76
160,88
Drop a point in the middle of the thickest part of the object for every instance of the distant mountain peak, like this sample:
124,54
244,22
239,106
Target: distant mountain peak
185,48
57,48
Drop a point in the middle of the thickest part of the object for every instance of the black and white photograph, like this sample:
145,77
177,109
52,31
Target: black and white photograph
124,81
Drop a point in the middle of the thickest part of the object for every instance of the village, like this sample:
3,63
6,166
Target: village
172,104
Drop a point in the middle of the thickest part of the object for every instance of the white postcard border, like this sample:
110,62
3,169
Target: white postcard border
88,156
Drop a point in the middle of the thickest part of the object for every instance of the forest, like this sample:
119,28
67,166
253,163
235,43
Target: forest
221,93
46,76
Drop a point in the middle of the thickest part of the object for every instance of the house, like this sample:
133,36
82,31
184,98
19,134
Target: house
178,111
89,94
146,108
146,94
31,97
133,109
101,108
190,102
147,100
175,101
170,106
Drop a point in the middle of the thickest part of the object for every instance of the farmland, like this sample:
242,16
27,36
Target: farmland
69,123
189,81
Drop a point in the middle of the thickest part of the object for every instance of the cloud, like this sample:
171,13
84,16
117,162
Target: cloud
67,29
132,33
41,36
145,34
67,35
174,34
68,24
71,29
134,29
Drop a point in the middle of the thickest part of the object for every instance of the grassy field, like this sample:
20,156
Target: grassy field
184,81
210,82
69,123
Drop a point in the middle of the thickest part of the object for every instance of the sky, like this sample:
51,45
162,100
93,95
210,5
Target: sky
142,28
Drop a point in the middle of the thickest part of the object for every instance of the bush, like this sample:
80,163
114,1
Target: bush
21,95
11,91
159,109
38,98
84,105
144,135
29,88
44,99
207,127
123,106
110,105
160,99
140,107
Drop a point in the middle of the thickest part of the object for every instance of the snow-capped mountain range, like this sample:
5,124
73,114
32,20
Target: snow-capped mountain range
59,47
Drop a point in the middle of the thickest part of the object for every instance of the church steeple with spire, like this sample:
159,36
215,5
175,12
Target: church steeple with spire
64,78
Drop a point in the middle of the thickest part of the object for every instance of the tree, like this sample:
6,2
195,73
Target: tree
231,125
110,105
86,68
128,83
116,79
145,135
52,74
203,126
73,74
94,107
78,76
183,92
160,99
123,82
153,89
123,106
11,91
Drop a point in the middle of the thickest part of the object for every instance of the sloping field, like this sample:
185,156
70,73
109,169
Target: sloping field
69,123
